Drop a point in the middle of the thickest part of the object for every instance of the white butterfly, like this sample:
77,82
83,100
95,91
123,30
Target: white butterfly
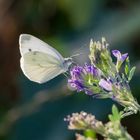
39,61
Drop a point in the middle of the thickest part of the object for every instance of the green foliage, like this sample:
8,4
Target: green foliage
100,57
116,115
127,66
90,133
131,73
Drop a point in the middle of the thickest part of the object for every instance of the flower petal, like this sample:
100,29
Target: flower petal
116,53
105,84
76,72
76,84
91,70
124,56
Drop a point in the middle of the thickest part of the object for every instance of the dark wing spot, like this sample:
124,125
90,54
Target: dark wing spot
30,50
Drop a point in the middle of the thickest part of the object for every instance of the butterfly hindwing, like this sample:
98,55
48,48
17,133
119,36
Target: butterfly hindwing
40,67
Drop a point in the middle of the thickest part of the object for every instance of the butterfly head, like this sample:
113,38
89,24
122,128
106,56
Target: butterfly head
67,62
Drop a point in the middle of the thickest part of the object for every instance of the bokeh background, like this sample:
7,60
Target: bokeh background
30,111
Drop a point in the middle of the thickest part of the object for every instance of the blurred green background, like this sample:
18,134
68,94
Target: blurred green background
30,111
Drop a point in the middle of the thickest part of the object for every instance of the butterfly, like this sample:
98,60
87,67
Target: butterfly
39,61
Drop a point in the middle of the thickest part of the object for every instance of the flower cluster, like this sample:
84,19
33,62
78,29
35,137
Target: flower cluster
85,79
83,120
112,130
104,78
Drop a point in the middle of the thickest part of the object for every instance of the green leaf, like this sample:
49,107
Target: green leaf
116,115
115,110
110,118
127,66
131,73
89,133
126,69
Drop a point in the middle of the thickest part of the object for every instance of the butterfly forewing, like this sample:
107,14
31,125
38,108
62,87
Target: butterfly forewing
29,43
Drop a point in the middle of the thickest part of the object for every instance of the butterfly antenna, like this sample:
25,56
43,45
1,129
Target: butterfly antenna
82,48
78,50
76,55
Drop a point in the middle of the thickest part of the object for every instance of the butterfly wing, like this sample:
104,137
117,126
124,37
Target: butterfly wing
29,43
40,67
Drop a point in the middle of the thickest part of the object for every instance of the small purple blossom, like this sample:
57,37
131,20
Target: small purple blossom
91,70
78,76
76,84
119,56
76,71
105,84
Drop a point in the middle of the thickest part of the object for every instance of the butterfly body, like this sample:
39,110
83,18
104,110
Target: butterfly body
39,61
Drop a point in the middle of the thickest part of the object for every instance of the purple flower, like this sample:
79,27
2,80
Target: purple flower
76,84
119,56
80,77
76,72
105,84
91,70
